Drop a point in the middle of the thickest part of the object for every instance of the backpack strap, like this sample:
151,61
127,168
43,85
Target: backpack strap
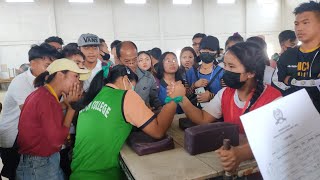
212,79
196,73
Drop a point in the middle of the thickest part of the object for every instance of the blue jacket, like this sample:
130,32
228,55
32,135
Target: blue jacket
194,75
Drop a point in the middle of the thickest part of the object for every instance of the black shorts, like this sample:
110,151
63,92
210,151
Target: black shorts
10,159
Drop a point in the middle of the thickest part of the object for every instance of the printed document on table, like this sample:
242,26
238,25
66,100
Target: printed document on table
285,138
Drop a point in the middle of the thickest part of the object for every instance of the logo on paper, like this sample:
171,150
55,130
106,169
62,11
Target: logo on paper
278,116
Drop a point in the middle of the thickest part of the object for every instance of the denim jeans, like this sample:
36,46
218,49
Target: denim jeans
39,168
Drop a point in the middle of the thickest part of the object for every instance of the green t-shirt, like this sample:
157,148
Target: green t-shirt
101,132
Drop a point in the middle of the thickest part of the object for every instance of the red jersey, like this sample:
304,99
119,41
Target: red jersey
41,131
231,112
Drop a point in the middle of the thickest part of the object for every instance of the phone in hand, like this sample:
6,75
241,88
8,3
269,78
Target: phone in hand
199,90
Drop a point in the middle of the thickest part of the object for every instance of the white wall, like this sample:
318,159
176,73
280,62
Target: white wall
288,16
23,24
222,20
74,19
264,19
157,23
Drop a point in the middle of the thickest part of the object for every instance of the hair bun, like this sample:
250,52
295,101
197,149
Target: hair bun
236,34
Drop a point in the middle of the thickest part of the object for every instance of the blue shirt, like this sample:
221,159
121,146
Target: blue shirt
215,86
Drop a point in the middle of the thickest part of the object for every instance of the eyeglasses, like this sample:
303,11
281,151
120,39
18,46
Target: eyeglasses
167,61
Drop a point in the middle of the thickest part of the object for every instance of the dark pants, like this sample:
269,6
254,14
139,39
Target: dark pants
10,159
66,157
65,162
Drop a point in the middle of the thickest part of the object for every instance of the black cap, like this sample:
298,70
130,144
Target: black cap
210,42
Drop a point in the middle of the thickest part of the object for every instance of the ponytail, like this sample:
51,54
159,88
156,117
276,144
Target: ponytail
45,78
106,75
258,91
41,79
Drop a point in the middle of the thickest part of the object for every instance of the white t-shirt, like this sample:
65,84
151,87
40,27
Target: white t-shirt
94,71
213,107
267,77
18,90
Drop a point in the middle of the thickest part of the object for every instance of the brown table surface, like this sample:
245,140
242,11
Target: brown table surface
5,80
177,163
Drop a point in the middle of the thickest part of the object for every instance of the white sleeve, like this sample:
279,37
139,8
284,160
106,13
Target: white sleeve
19,90
268,72
214,106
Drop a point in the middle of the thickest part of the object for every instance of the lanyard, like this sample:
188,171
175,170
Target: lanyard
50,89
243,109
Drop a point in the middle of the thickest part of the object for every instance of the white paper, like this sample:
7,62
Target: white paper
285,138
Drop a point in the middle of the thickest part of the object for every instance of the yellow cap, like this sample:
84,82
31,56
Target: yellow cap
66,64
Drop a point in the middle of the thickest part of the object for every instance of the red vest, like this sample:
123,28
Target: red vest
228,104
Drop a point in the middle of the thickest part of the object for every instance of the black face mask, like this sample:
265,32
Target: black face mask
207,57
105,57
232,79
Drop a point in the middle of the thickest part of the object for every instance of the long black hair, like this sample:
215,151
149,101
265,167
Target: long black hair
100,81
253,59
151,69
160,72
262,44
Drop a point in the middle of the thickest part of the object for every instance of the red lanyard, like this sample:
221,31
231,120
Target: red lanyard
243,109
